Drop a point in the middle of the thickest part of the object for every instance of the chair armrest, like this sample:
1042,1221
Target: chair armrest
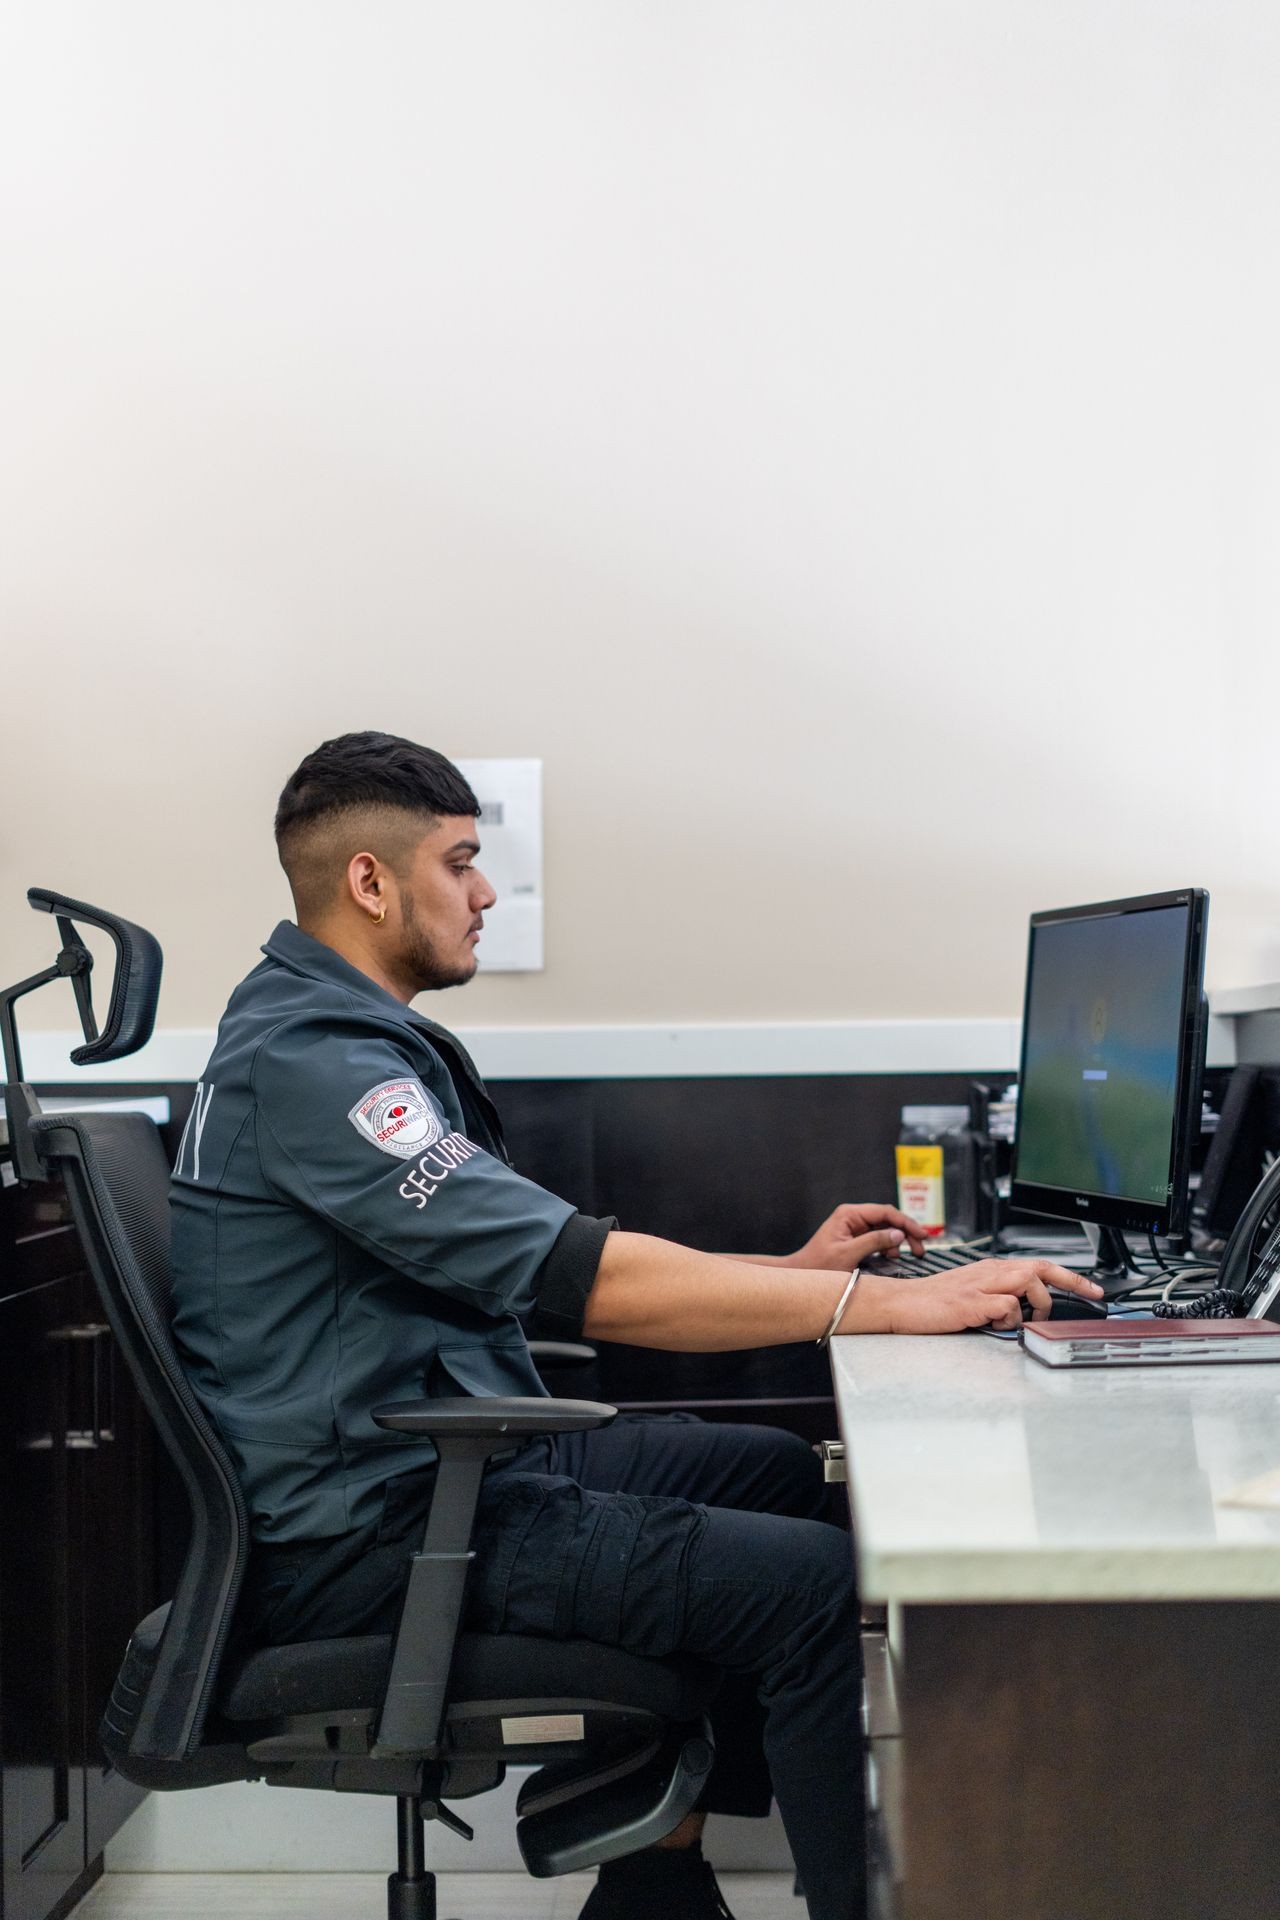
561,1353
487,1417
466,1433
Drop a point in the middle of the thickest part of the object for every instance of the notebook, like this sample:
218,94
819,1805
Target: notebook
1149,1343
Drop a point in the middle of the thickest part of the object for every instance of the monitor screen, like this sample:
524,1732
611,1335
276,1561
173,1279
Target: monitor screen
1112,1005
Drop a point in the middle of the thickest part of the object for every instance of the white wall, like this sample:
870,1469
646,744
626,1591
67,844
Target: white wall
843,440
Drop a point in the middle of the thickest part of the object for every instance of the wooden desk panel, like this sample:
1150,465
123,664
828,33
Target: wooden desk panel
1091,1762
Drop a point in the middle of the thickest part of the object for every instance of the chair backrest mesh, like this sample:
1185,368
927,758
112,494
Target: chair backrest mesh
117,1179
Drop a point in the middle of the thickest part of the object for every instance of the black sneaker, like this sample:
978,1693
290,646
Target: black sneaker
675,1882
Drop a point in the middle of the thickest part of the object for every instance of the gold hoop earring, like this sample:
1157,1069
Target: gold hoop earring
381,917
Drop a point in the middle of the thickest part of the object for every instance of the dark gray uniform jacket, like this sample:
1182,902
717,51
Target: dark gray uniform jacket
347,1230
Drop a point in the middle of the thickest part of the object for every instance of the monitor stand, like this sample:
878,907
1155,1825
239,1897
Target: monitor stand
1110,1267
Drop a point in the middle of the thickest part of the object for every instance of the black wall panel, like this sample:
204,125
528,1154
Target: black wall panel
743,1165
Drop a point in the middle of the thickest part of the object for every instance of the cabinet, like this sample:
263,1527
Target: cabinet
77,1554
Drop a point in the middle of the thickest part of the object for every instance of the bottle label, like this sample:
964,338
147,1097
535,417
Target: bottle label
920,1187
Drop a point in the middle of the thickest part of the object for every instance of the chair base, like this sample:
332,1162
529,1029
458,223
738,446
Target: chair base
411,1890
411,1899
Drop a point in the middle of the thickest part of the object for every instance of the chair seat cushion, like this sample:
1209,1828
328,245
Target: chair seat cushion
319,1676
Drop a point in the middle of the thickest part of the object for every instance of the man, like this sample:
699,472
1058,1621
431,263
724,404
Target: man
347,1231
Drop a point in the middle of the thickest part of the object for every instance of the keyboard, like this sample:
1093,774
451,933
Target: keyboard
932,1260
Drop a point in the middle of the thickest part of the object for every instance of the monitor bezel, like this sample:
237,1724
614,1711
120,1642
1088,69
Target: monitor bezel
1105,1210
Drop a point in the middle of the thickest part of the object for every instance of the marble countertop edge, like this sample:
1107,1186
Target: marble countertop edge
938,1578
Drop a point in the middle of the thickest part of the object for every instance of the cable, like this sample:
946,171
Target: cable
1155,1252
1215,1303
1143,1285
1190,1273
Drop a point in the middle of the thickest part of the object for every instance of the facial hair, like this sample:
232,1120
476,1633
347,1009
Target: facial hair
421,958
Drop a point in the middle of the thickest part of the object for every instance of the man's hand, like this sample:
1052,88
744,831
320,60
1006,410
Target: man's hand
849,1235
989,1293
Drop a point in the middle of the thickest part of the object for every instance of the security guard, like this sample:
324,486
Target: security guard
347,1230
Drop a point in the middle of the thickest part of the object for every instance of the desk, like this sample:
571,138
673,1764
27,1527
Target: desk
1075,1713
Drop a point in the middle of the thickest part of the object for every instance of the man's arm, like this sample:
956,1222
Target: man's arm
653,1293
765,1259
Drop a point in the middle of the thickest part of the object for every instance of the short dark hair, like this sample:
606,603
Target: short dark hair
358,781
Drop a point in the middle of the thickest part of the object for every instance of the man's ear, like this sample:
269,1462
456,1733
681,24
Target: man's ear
365,884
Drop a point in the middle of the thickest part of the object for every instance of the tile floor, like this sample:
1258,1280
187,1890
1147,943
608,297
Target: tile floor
362,1896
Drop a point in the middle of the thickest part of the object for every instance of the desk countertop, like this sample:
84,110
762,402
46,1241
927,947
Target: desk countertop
976,1474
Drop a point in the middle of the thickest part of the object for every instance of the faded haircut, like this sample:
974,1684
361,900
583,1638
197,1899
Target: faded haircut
373,792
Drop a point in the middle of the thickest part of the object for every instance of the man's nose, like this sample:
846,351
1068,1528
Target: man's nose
484,895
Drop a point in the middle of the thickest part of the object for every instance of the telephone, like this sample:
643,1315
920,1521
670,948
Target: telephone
1247,1282
1251,1262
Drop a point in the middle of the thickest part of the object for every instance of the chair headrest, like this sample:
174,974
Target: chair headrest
135,988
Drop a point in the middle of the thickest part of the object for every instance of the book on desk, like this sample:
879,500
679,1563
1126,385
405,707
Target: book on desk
1150,1342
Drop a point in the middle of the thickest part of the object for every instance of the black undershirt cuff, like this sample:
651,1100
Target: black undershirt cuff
566,1277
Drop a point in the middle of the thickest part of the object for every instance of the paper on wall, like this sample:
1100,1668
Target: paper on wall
1262,1492
510,796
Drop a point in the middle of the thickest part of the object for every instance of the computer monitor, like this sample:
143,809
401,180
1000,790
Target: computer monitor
1113,1038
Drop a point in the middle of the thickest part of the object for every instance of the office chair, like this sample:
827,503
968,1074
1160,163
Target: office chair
621,1744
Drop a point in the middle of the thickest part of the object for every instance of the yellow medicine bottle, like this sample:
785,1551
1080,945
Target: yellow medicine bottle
921,1161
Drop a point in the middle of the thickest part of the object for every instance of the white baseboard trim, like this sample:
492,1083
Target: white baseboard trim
706,1051
625,1052
251,1828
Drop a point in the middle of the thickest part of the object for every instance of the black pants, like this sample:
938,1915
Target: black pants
662,1536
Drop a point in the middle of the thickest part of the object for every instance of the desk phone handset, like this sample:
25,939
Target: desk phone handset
1251,1263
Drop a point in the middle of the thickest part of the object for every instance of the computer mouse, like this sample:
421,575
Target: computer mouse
1070,1306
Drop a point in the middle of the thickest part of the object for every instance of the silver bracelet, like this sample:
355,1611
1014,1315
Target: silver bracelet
838,1315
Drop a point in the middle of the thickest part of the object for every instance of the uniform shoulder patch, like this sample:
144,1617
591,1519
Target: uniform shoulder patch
398,1118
